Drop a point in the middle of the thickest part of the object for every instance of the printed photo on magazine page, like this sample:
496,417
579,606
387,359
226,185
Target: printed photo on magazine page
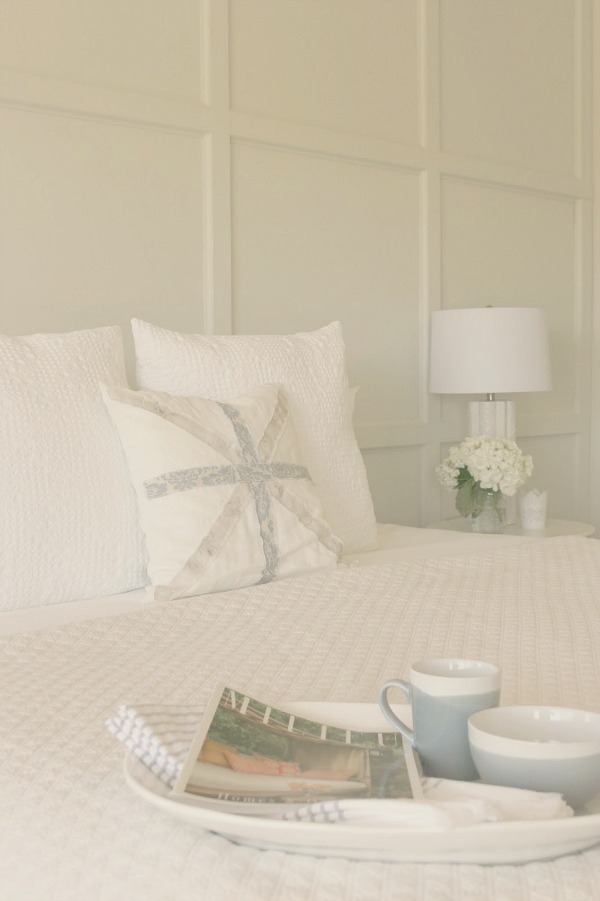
248,756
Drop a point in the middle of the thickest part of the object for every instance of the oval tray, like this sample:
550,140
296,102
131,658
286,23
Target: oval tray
490,843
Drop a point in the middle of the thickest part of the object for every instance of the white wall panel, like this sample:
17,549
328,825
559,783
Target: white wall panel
105,223
342,64
557,470
508,81
317,239
151,47
394,481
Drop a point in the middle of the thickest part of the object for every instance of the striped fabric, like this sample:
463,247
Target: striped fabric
159,735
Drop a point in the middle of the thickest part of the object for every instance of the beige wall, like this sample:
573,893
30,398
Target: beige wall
271,165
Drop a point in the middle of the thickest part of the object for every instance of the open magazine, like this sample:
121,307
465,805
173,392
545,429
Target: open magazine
250,757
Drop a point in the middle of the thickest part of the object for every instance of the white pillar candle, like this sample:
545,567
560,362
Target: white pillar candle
533,505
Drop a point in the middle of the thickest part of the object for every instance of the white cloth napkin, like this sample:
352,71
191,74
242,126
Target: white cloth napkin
446,805
404,813
508,803
161,737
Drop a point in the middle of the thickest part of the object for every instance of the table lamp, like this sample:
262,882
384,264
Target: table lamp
489,350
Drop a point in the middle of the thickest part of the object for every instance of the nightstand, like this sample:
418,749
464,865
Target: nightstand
554,527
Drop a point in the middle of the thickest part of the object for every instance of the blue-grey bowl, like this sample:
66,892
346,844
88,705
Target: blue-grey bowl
551,749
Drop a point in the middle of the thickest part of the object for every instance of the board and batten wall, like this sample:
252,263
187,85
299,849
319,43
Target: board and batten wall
271,165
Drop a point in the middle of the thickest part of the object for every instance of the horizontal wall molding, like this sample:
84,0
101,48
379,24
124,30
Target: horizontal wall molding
390,434
398,433
61,97
310,139
65,98
484,172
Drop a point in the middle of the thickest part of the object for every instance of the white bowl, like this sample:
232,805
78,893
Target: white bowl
553,749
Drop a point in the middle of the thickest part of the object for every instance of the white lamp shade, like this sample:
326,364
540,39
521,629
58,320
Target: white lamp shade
489,350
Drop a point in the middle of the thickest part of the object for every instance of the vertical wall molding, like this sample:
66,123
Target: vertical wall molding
217,173
594,470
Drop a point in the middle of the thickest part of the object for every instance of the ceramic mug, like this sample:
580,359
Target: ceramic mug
443,694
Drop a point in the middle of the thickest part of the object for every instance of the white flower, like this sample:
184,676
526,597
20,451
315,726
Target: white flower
484,463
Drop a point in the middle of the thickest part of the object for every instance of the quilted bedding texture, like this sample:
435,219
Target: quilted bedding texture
70,827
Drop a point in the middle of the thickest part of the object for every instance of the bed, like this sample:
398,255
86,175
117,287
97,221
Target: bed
73,647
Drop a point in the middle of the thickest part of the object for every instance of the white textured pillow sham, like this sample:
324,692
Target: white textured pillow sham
311,367
68,515
224,498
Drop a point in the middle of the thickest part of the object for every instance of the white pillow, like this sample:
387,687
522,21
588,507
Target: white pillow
224,498
311,366
68,517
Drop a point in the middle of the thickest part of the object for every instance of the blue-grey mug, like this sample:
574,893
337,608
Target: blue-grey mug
443,694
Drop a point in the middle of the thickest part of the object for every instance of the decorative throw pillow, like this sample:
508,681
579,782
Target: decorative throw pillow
225,500
311,367
68,516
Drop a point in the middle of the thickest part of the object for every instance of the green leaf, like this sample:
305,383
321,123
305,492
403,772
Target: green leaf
463,476
464,498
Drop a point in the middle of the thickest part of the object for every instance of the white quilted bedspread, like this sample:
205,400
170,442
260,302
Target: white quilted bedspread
71,829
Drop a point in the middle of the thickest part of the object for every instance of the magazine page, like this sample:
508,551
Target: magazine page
250,757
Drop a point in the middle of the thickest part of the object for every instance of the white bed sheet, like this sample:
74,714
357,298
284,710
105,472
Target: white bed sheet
396,543
70,828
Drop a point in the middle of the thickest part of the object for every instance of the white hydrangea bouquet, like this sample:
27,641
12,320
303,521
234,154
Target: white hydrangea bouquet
484,468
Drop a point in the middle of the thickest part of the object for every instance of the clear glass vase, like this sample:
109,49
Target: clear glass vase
492,513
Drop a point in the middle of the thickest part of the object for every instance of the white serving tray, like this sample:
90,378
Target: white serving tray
491,843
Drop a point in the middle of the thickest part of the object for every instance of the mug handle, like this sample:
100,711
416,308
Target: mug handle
389,713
